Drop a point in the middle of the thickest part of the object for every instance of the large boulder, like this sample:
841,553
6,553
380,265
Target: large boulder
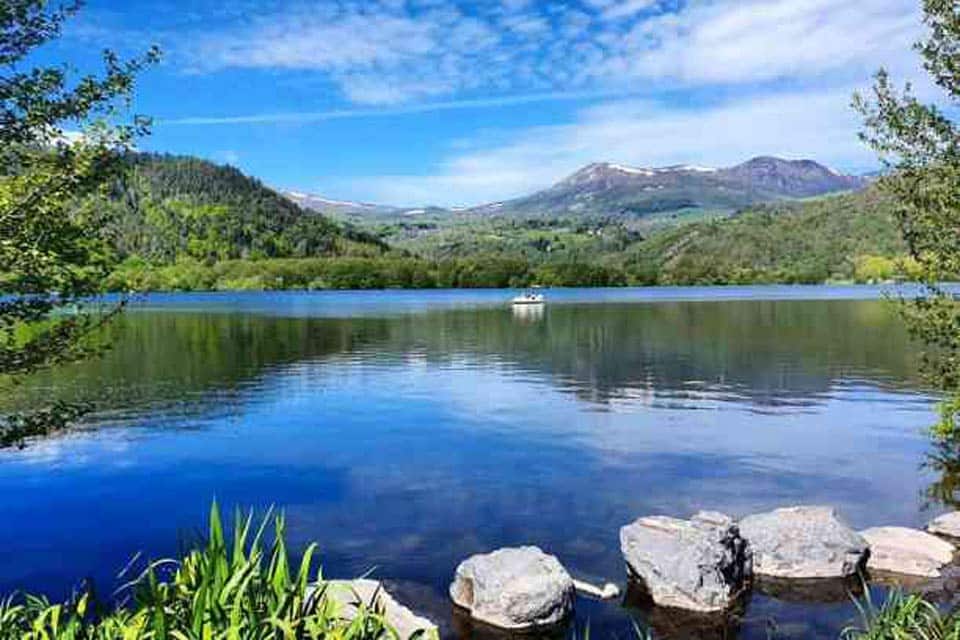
699,565
946,525
907,551
514,588
351,594
804,542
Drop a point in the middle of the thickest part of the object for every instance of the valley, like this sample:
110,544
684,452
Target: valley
182,223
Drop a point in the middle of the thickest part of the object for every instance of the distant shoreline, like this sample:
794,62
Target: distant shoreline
397,273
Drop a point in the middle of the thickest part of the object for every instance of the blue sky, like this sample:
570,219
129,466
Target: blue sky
418,102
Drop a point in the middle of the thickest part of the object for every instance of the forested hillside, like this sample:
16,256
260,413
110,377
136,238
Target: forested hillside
184,223
848,237
845,237
170,207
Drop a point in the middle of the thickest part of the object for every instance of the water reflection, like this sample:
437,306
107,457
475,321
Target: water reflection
771,355
528,313
674,624
406,441
943,462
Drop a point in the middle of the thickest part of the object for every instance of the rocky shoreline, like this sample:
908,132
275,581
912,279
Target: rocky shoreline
694,569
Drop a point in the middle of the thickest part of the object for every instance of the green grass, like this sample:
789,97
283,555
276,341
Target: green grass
902,617
231,590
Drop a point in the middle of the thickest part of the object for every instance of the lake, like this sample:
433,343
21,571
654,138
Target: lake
405,431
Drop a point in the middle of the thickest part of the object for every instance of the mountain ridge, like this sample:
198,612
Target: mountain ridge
620,191
604,190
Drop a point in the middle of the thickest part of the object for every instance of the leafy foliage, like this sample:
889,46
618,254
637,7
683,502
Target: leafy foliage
852,237
837,238
920,145
386,272
235,589
171,207
52,252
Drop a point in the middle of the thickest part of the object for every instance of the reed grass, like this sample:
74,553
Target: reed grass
237,589
902,617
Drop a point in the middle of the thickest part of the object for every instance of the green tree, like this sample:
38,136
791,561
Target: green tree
920,146
61,140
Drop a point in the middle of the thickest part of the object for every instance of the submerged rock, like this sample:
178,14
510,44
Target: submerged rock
907,551
697,565
370,593
680,624
810,590
804,542
946,525
514,588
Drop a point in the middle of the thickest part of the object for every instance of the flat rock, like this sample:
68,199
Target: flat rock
514,588
946,525
804,542
697,565
907,551
350,594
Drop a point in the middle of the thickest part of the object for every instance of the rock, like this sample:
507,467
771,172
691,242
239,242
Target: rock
694,565
804,542
608,591
351,593
907,551
714,518
946,525
514,588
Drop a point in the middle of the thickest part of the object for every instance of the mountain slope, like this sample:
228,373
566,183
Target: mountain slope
841,237
642,198
170,207
606,190
341,208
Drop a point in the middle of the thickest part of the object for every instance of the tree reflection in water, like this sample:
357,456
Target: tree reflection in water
943,461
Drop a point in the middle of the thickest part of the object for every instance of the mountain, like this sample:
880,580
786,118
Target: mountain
849,236
341,208
640,197
171,207
372,216
770,177
607,190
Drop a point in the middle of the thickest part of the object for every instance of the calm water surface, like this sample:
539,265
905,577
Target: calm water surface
405,431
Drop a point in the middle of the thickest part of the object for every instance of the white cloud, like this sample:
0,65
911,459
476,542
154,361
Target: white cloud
230,156
308,41
390,52
627,8
817,125
791,65
375,52
373,90
300,117
761,40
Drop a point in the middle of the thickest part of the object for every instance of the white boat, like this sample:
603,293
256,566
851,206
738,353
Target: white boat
529,297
